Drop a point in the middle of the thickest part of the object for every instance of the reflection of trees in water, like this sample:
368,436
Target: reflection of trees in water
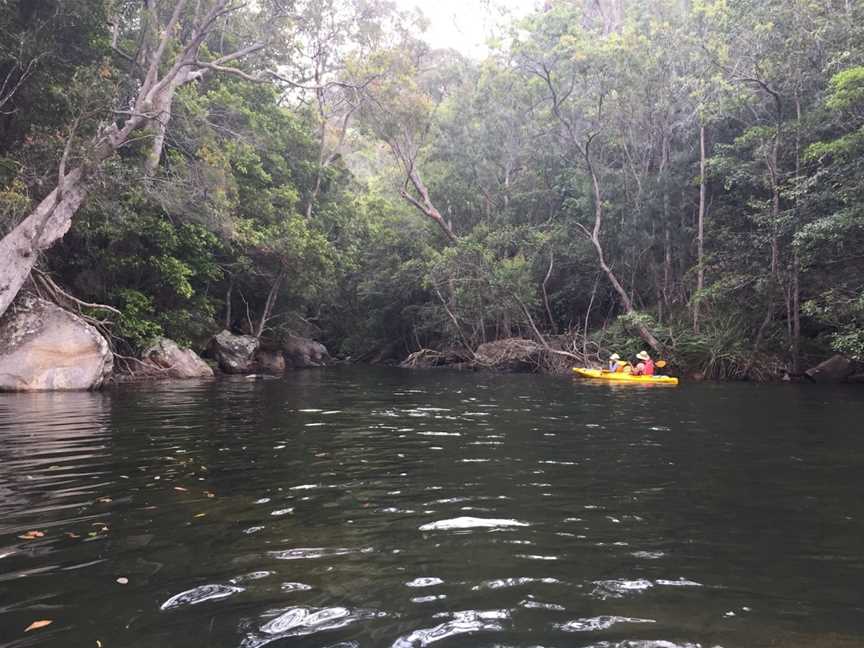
44,436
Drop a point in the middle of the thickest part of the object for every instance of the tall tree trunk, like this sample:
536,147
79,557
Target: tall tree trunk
667,253
272,296
796,261
774,174
159,125
552,324
322,144
700,232
228,298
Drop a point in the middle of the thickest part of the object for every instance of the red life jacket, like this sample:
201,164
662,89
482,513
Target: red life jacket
649,367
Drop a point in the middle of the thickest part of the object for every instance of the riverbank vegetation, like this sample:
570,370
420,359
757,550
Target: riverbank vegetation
680,176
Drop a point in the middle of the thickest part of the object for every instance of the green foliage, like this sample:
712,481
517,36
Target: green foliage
136,323
283,203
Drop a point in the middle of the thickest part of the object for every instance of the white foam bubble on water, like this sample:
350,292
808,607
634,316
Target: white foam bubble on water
466,622
648,555
424,581
593,624
253,576
429,599
502,583
310,553
471,523
619,588
530,604
200,595
681,582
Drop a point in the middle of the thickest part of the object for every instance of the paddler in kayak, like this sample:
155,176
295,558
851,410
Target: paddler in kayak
615,363
645,367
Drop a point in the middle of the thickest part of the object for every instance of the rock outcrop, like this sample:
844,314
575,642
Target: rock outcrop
270,362
234,353
173,362
303,352
835,369
46,348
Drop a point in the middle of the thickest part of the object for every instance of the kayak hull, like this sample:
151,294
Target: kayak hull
597,374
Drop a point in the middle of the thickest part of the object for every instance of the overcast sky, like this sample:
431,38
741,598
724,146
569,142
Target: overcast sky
465,25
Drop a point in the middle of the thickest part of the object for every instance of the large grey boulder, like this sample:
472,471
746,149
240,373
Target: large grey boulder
302,352
835,369
171,361
46,348
234,353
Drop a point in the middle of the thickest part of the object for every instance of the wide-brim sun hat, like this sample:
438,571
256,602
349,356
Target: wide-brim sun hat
643,356
615,356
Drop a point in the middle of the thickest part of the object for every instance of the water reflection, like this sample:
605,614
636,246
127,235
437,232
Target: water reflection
365,508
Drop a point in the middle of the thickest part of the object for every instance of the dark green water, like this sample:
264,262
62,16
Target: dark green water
343,509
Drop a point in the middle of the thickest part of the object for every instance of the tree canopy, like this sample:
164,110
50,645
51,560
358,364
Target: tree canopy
613,175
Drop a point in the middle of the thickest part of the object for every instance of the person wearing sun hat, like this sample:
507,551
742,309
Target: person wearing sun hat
646,366
615,363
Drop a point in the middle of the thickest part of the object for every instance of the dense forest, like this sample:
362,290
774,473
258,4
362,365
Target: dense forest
676,175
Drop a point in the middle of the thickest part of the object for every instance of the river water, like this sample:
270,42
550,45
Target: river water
361,507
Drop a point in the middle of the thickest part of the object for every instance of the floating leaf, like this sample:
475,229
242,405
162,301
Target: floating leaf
74,536
105,500
209,494
38,624
200,515
123,580
32,535
181,489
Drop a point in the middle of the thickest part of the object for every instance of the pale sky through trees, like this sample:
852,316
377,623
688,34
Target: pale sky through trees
465,25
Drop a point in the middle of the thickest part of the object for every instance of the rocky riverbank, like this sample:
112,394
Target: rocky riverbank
46,348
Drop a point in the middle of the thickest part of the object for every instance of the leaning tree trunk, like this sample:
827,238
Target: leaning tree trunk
594,236
52,218
20,249
425,205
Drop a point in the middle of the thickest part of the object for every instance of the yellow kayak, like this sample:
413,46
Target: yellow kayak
599,374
